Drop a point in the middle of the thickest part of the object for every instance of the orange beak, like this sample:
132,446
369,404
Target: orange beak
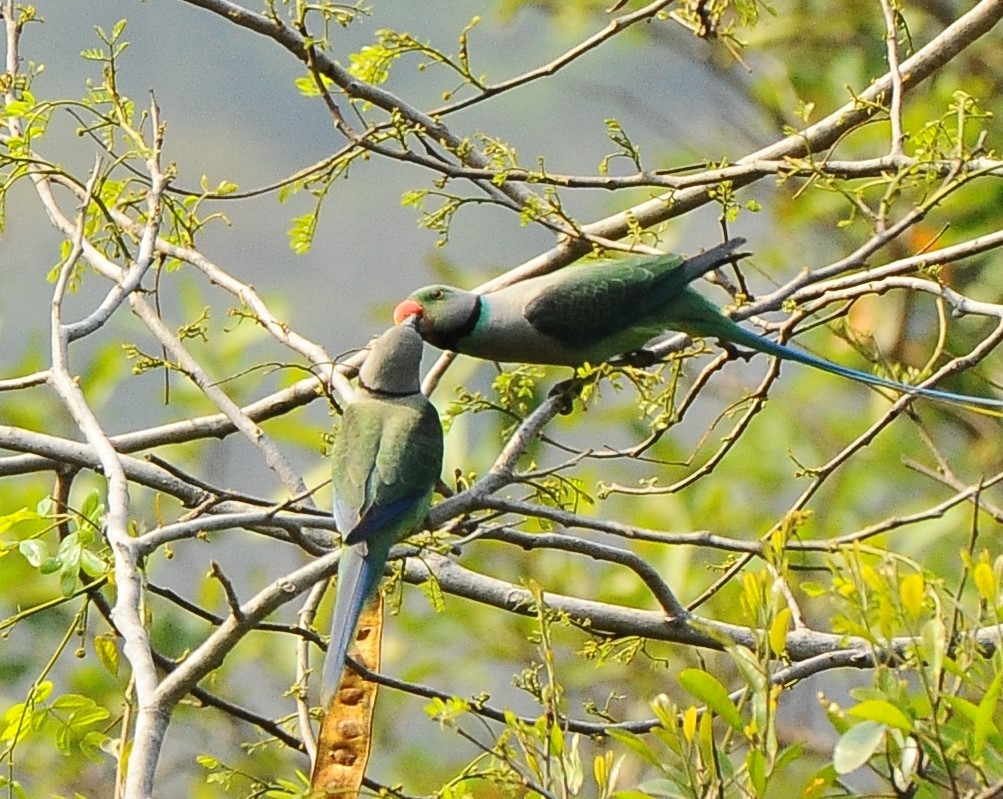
407,308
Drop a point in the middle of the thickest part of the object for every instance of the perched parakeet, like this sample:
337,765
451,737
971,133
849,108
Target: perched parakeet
386,459
594,312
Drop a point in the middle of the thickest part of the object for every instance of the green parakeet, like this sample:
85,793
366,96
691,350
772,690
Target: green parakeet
594,312
386,459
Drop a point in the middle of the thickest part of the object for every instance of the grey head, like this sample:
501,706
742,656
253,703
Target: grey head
394,360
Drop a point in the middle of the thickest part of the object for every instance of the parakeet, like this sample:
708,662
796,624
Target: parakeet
597,311
386,459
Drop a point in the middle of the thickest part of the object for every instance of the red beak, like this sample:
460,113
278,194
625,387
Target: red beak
407,308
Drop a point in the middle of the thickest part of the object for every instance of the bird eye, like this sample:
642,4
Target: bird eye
438,294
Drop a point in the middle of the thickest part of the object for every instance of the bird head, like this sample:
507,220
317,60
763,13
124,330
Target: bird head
440,310
392,366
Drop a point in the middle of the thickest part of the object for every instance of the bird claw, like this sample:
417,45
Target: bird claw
735,352
566,391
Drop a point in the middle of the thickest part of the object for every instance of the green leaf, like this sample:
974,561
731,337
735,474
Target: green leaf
34,550
819,782
984,725
93,509
17,108
69,548
755,761
307,86
371,63
302,232
15,724
12,787
778,631
43,691
68,580
636,744
751,668
72,702
664,789
912,590
92,565
431,589
446,711
88,716
572,764
106,648
789,755
64,740
93,746
712,693
933,645
857,745
985,581
882,711
51,566
964,708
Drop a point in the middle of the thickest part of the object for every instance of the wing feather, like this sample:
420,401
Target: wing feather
583,305
385,462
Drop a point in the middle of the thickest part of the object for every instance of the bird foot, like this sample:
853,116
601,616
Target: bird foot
567,391
736,352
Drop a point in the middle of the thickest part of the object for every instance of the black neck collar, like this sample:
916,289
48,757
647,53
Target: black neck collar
450,339
380,392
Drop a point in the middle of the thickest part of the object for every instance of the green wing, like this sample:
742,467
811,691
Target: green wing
386,459
599,301
593,302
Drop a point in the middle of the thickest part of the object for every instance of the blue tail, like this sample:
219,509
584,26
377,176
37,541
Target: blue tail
359,572
739,335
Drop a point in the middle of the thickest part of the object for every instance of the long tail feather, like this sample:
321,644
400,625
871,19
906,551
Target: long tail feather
740,336
358,575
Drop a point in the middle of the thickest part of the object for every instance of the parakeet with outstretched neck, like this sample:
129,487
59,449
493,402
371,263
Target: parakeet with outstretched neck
386,459
597,311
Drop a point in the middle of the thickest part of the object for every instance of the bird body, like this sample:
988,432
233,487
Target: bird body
592,313
587,313
386,459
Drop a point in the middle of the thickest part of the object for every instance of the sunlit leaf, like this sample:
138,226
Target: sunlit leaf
985,581
711,692
912,590
637,744
933,644
778,631
106,648
857,745
882,711
984,725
